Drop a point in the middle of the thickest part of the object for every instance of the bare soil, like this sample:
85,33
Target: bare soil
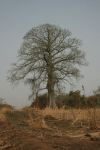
29,129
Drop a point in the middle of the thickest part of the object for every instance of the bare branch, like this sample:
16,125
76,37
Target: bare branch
49,53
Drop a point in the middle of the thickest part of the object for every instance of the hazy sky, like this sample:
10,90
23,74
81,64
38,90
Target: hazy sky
17,17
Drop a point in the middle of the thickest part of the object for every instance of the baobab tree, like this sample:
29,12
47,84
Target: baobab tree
51,56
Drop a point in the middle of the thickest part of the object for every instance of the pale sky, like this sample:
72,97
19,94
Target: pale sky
17,17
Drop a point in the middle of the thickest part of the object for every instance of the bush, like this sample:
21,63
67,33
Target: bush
40,101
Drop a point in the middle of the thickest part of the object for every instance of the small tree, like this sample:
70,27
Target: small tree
97,94
51,55
74,99
60,100
1,100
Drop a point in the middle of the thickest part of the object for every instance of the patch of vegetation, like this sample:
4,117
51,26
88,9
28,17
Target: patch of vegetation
6,106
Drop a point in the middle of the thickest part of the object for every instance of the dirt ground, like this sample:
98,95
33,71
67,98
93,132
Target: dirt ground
27,129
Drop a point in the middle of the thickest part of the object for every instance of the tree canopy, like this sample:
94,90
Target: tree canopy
51,56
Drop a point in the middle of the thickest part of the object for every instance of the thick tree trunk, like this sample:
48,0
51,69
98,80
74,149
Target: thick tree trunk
51,101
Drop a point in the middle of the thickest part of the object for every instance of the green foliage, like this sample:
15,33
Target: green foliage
60,100
98,100
43,100
73,99
40,101
93,100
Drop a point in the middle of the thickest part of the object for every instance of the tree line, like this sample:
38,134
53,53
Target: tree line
73,99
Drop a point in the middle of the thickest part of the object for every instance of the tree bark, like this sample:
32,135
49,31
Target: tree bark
51,100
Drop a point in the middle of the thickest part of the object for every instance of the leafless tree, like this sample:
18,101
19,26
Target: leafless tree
51,55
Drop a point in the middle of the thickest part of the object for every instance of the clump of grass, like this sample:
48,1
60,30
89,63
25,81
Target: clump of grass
93,119
37,122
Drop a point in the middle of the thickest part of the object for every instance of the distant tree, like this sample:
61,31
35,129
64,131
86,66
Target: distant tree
60,100
40,102
97,91
74,99
97,95
51,55
1,100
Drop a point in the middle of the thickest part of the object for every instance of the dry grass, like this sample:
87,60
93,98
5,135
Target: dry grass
91,117
71,118
2,111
